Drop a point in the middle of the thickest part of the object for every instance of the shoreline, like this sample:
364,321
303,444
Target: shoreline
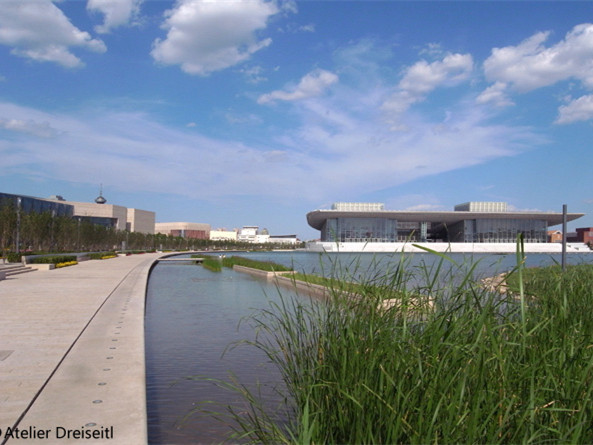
410,247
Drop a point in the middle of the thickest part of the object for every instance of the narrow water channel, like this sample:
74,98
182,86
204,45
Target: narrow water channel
192,316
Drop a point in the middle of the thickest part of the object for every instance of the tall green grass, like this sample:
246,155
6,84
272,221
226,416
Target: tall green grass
254,264
481,367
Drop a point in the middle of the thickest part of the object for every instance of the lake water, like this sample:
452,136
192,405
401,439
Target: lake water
193,315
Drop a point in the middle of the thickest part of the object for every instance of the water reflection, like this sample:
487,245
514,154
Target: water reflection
192,316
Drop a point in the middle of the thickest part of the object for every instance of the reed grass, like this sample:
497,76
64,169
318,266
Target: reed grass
254,264
482,367
211,263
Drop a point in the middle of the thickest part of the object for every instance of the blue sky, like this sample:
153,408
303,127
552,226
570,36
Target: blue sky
256,112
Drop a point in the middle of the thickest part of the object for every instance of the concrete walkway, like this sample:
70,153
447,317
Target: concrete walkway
72,353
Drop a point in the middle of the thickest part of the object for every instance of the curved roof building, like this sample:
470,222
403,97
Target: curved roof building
472,222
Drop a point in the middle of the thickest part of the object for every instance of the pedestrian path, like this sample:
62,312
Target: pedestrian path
72,353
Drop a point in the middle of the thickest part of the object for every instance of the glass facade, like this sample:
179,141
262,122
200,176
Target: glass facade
370,230
99,221
384,230
30,204
499,230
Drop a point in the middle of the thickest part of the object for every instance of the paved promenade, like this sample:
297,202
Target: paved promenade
72,354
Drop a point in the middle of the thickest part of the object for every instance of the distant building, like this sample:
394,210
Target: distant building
252,234
223,235
554,236
115,216
471,222
29,204
141,221
248,234
482,206
107,215
184,229
584,235
283,239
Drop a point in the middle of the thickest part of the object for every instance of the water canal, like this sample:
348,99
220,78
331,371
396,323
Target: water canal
193,315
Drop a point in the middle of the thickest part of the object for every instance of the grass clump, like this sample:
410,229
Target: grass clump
211,263
479,368
254,264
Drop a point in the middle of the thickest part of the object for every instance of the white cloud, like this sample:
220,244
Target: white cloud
422,78
116,12
254,74
364,156
580,109
42,130
496,95
242,118
311,85
37,29
531,65
205,36
336,151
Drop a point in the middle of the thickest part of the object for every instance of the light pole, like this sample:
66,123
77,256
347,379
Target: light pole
18,224
53,218
564,208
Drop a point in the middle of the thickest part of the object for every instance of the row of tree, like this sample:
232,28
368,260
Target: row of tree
43,232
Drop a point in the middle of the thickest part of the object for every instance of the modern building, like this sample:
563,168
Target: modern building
554,236
98,212
248,234
140,221
29,204
110,215
184,229
223,235
107,215
472,222
283,239
583,235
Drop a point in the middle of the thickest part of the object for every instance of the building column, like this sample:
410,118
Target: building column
423,231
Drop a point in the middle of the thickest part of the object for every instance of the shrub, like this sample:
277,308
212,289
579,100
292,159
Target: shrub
53,259
102,255
13,257
66,264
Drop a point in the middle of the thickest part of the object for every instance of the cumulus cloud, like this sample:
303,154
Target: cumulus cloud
531,65
311,85
205,36
116,12
39,30
580,109
422,78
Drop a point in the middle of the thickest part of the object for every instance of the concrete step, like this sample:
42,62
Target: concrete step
10,266
15,269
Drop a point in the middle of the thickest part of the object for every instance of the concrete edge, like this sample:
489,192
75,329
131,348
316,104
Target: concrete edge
285,279
42,266
100,386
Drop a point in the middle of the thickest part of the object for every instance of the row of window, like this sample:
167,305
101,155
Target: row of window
473,231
